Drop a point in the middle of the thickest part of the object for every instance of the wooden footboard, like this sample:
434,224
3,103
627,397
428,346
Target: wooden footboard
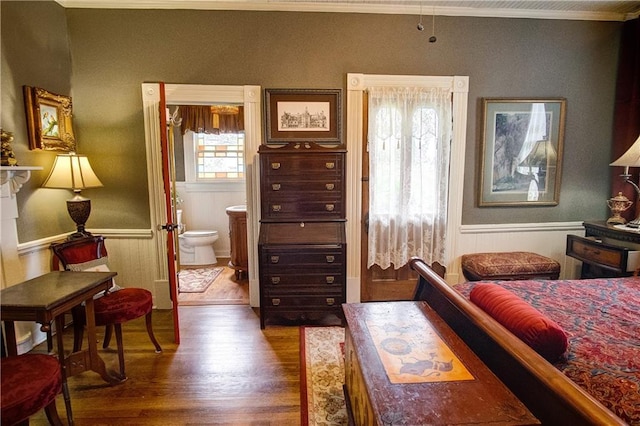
550,395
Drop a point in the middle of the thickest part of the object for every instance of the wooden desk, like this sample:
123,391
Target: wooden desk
404,365
45,299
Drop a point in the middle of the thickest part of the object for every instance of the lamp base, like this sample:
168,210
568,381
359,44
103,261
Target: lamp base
79,209
79,235
635,223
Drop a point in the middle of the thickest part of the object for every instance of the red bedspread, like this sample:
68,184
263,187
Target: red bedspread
602,320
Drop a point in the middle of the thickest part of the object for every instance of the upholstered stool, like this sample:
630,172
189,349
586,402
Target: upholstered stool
30,382
516,265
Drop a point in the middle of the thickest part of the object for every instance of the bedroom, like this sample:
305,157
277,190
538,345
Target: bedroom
88,49
102,56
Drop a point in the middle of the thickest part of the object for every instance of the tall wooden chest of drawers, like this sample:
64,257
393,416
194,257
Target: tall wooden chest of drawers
302,245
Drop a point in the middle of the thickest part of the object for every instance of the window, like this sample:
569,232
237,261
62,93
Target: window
419,160
409,142
219,157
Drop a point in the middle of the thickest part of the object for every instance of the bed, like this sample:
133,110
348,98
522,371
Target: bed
595,382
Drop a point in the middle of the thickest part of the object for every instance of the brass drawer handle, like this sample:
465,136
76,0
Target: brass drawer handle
330,165
276,207
275,280
330,186
275,166
275,302
275,186
329,207
330,279
330,259
331,301
275,259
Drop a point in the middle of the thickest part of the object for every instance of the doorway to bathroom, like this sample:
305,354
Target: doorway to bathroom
210,192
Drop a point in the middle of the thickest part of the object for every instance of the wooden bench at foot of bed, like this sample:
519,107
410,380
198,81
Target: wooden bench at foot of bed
552,397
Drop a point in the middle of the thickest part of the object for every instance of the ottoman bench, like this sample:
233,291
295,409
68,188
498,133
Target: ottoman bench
513,265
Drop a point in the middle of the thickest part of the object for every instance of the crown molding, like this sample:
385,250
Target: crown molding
347,7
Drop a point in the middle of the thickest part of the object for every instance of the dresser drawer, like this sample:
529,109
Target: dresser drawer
609,256
302,257
303,187
309,209
306,165
285,302
332,280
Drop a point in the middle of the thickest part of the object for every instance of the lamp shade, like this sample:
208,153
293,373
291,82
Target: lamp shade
72,171
631,158
542,153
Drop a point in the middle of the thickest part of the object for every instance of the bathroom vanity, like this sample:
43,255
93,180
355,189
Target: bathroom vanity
239,260
302,244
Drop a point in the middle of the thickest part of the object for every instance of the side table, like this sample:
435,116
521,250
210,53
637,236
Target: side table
45,299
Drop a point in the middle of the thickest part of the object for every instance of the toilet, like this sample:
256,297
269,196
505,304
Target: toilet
196,247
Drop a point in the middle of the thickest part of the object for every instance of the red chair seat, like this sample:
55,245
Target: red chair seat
122,306
30,382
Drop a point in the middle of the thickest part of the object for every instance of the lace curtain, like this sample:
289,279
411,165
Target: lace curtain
410,132
211,119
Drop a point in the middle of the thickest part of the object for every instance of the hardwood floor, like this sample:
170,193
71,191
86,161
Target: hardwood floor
225,290
226,371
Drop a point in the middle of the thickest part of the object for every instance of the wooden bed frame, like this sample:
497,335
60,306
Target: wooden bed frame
551,396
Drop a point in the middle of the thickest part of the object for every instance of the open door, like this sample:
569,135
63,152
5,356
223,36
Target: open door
168,180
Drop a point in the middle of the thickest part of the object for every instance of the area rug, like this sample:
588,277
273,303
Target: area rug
322,400
197,280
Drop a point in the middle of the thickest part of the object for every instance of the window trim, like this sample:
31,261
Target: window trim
356,86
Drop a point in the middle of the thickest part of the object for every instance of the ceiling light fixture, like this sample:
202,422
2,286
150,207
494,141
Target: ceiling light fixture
420,26
433,38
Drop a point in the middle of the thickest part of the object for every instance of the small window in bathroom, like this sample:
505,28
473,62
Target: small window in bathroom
219,156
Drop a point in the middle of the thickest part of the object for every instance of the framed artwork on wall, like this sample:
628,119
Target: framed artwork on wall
521,151
304,115
49,116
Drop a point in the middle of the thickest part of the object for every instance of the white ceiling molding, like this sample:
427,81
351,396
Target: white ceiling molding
568,10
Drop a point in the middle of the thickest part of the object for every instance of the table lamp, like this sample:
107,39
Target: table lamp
631,158
73,171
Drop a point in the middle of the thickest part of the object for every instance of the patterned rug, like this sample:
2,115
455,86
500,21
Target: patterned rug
321,376
197,280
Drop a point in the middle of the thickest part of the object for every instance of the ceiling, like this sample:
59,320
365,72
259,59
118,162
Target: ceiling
592,10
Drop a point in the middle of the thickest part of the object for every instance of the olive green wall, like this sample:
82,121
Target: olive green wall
114,51
35,52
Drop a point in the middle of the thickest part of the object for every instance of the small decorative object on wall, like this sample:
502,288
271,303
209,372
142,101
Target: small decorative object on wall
521,153
8,158
303,115
48,120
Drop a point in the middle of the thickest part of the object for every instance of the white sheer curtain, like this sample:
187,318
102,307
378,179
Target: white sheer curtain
410,132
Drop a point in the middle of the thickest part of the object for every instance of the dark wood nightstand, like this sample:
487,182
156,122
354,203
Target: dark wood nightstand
605,251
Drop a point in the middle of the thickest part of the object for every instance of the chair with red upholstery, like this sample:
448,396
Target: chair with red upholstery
30,382
116,307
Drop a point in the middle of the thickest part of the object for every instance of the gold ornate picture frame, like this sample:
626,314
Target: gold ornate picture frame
49,125
521,151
